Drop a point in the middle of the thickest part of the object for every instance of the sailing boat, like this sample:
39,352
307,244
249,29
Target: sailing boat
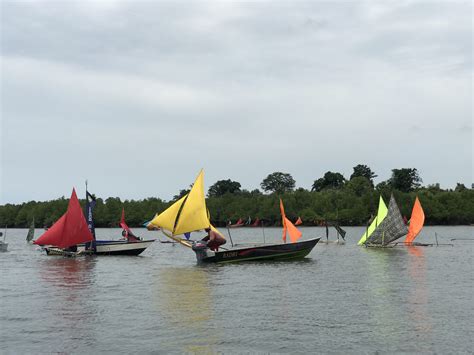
298,221
390,229
68,231
31,231
130,245
417,221
189,214
381,214
339,231
255,223
239,223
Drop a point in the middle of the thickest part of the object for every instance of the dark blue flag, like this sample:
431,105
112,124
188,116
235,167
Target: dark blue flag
90,205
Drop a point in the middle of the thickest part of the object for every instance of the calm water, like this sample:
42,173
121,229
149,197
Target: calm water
340,299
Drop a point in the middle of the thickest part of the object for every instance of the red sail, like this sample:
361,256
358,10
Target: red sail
127,233
70,229
298,221
122,221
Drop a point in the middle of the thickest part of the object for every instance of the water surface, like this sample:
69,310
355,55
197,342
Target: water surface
340,299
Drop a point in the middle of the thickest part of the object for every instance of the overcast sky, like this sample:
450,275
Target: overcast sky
137,97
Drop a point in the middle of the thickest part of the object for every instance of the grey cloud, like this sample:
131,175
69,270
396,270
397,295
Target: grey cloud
145,94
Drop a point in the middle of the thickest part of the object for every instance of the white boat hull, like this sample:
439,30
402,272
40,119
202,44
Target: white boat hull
118,247
106,247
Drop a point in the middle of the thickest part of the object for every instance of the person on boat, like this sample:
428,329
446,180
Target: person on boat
214,240
72,249
129,236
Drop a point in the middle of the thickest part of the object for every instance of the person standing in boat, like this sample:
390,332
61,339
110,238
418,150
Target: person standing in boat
214,240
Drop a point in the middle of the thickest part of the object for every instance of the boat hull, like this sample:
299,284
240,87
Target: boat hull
117,247
106,247
289,251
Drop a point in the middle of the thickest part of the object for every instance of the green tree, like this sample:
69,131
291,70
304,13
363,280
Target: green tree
460,187
222,187
364,171
359,185
405,179
329,181
181,194
278,182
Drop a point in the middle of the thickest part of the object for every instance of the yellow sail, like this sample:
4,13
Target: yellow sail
167,218
381,214
188,214
193,215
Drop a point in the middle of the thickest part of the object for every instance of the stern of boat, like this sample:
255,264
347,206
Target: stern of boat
203,253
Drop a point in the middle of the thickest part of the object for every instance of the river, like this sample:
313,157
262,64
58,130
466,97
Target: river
341,299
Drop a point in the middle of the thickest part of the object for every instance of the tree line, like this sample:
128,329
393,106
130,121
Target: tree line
350,202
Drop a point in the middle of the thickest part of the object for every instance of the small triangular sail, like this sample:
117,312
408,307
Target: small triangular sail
31,231
71,229
298,221
127,232
417,221
381,214
340,231
288,226
391,228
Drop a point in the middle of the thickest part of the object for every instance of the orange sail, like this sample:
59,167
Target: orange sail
298,221
416,222
70,229
289,227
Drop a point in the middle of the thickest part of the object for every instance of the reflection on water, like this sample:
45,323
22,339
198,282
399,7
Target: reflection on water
398,295
418,299
75,273
382,273
68,283
183,296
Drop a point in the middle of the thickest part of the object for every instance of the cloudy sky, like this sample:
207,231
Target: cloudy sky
136,97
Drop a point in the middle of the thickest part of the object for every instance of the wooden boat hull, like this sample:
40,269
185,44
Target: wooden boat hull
65,253
287,251
106,247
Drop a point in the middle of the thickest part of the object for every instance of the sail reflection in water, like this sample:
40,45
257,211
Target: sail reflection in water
183,298
383,296
420,321
69,284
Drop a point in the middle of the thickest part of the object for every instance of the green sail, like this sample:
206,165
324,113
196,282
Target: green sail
391,228
381,214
